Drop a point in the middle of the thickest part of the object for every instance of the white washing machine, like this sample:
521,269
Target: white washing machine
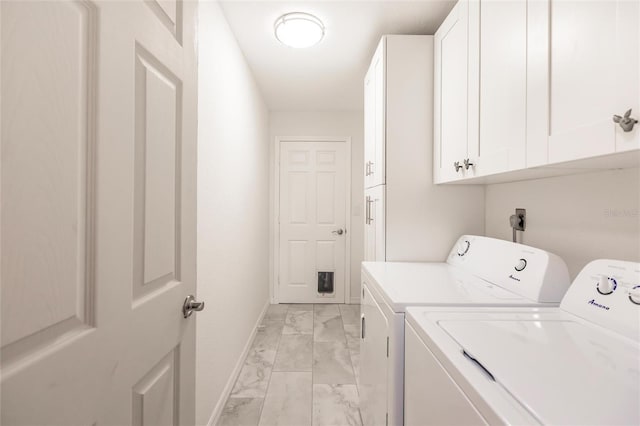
479,271
577,364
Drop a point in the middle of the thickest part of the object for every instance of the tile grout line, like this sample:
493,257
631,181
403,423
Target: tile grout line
313,348
264,398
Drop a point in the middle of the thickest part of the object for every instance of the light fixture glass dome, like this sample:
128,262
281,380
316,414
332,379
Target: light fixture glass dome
298,29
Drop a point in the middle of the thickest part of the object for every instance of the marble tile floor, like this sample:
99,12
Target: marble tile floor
301,369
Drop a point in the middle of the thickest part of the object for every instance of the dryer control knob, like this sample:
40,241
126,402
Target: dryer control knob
463,247
522,263
634,295
606,285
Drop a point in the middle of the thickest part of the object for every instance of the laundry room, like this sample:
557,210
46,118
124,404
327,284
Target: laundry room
325,213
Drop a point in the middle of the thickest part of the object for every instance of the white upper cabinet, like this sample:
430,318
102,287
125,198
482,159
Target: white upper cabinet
480,90
497,85
451,121
374,145
540,82
590,51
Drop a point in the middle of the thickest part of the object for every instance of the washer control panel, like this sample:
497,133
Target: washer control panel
634,295
463,247
520,265
530,272
606,285
607,292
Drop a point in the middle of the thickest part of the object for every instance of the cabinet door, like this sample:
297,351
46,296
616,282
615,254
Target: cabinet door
375,224
497,85
451,73
369,126
369,229
592,55
376,101
373,361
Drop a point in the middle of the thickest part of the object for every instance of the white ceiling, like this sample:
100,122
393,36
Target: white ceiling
329,75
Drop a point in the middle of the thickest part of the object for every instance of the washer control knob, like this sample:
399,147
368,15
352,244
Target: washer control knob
522,263
606,285
463,247
634,295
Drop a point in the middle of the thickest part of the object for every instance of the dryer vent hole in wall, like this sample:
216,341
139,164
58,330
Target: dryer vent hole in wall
325,282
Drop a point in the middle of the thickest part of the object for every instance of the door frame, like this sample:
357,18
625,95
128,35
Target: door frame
274,289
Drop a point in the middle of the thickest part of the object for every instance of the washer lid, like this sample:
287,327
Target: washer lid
563,371
435,284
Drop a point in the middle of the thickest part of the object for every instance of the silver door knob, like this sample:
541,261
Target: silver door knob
190,305
338,232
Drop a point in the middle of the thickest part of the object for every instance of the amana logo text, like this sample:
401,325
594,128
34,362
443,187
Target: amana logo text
596,304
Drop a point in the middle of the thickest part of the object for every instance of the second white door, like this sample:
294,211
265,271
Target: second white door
312,222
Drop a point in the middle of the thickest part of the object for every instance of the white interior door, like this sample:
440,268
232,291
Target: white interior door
98,112
312,221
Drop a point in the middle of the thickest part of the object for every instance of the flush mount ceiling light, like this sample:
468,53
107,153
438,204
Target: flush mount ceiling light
298,29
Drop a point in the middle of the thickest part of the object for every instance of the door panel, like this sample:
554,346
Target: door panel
375,230
369,127
98,224
47,234
451,91
380,101
312,206
153,398
373,361
593,75
502,39
375,119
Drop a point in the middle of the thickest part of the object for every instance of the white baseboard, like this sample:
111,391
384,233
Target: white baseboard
217,411
355,300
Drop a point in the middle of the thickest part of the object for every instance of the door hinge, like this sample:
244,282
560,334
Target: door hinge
387,346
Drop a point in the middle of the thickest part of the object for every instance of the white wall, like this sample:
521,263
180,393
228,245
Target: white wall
333,123
233,198
580,217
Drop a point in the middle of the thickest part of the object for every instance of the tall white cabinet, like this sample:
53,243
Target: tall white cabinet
407,217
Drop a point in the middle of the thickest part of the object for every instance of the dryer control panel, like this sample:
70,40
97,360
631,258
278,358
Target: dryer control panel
530,272
607,292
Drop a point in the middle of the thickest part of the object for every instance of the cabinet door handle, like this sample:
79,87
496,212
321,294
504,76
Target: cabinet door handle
368,218
366,210
457,166
467,163
626,121
362,327
369,170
